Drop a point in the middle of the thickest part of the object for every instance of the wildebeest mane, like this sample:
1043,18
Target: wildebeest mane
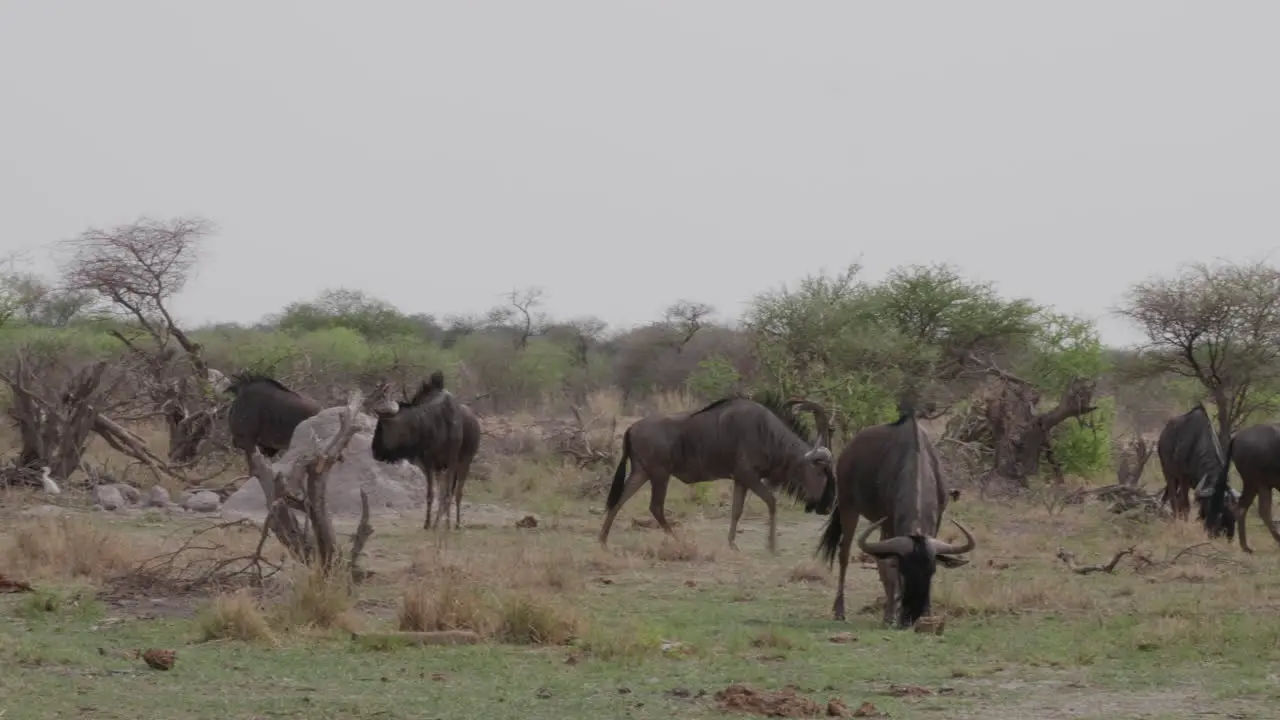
247,377
432,385
716,404
762,429
774,402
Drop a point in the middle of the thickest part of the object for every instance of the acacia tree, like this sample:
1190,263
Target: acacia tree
685,318
522,316
135,270
925,336
1218,325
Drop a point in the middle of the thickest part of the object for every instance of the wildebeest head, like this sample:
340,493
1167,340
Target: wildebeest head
381,402
814,474
917,559
384,405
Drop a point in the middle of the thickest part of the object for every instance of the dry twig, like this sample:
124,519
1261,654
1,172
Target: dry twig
1070,559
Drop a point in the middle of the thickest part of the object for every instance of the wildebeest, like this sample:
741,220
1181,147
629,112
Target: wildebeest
265,413
436,432
1191,456
889,474
756,444
1256,452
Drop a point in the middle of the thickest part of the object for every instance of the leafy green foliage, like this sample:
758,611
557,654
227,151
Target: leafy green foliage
866,346
714,378
1083,445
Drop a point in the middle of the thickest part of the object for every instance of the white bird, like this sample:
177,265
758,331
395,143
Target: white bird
50,486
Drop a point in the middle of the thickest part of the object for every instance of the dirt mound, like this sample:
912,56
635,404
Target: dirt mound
783,703
391,488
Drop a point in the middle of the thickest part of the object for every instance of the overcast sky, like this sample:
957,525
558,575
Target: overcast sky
623,155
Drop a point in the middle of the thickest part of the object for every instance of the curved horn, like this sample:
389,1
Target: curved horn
943,548
819,454
819,416
892,546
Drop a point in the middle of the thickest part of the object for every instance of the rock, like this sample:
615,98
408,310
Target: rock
130,493
203,502
108,496
158,496
391,487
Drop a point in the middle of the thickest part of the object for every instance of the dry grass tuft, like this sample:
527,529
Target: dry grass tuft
235,616
772,638
65,547
316,600
448,602
676,401
678,549
535,619
511,594
810,572
511,616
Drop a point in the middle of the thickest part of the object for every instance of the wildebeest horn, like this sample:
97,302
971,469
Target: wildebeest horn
1205,488
892,546
819,454
819,416
942,548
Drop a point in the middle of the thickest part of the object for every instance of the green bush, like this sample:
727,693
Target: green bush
715,377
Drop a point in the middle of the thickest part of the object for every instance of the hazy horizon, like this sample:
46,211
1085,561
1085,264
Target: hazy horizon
624,155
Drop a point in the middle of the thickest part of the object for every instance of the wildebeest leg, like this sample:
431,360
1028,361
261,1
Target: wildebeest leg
1264,510
446,494
448,486
846,549
464,469
658,501
757,486
889,579
739,501
635,481
431,496
1246,499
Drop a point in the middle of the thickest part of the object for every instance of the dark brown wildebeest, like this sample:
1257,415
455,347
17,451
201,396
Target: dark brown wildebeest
1256,451
889,474
265,413
756,444
1191,456
433,430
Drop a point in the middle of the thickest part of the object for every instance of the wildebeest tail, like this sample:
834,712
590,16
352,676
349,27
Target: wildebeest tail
619,475
831,536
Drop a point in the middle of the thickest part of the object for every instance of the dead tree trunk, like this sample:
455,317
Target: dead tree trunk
303,489
54,424
1022,434
1133,460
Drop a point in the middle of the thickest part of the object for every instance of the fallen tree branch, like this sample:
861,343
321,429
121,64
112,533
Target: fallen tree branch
1070,559
179,570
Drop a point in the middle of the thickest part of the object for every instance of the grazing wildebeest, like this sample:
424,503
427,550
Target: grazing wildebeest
1191,456
756,444
889,474
436,432
265,413
1256,451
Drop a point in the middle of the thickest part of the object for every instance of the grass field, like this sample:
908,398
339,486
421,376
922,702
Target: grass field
651,628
